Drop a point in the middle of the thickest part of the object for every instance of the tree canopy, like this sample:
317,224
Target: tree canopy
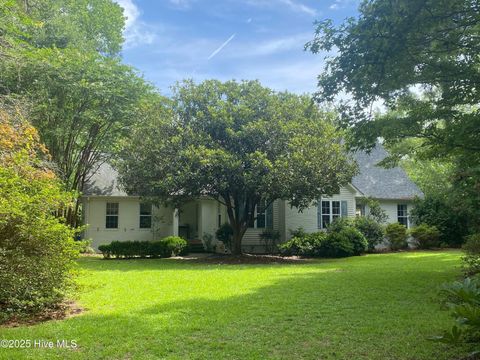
420,58
239,143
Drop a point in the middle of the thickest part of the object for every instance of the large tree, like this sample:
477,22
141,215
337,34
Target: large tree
60,56
392,51
239,143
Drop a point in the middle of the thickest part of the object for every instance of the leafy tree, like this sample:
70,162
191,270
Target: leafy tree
394,47
36,247
89,25
239,143
82,101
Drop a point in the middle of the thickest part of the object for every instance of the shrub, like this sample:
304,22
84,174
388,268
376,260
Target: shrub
270,239
336,244
425,236
84,246
166,247
224,234
305,245
174,245
356,238
463,301
471,259
436,211
373,231
339,224
37,249
396,236
208,244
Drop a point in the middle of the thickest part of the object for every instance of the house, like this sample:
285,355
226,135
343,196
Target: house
111,214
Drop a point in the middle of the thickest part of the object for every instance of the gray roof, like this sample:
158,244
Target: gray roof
373,181
380,183
104,182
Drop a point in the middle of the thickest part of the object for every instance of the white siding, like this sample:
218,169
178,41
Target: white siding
128,221
308,219
251,240
390,207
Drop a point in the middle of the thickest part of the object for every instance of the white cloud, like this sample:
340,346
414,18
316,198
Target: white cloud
294,5
341,4
297,6
136,31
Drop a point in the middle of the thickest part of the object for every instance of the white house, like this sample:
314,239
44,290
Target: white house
111,214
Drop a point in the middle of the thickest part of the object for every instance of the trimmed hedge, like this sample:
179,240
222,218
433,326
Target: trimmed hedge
166,247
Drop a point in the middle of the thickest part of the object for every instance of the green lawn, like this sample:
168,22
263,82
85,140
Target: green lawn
369,307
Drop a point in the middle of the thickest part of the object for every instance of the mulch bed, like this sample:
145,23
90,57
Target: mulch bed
63,311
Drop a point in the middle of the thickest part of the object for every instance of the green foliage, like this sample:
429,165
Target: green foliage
270,239
303,245
371,229
431,45
239,143
425,236
208,243
84,246
37,250
341,240
166,247
471,259
61,59
375,211
224,234
463,301
449,218
396,235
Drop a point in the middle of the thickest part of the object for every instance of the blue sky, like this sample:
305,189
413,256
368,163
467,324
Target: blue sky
170,40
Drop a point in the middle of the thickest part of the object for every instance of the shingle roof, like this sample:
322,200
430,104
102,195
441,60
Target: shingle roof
104,182
373,180
381,183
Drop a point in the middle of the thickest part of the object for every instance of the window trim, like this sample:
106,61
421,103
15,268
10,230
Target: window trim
108,215
405,216
140,216
268,223
331,215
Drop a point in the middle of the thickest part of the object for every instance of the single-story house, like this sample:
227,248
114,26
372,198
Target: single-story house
111,214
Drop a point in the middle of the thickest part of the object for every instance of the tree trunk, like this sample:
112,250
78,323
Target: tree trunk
237,242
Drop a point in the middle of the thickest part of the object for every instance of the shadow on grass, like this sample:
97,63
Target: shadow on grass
353,309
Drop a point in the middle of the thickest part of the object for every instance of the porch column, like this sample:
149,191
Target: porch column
175,222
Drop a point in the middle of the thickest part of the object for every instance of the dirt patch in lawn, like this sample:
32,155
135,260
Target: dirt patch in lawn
63,311
244,259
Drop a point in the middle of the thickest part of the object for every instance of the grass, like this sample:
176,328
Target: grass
370,307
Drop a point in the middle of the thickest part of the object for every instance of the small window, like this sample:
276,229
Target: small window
360,210
402,214
263,216
335,210
111,219
325,214
145,216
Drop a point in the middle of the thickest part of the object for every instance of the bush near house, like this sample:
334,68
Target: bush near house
396,235
166,247
224,234
341,240
373,231
270,239
425,236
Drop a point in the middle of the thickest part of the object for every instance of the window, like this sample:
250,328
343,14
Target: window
329,210
402,214
360,210
145,216
111,219
264,216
